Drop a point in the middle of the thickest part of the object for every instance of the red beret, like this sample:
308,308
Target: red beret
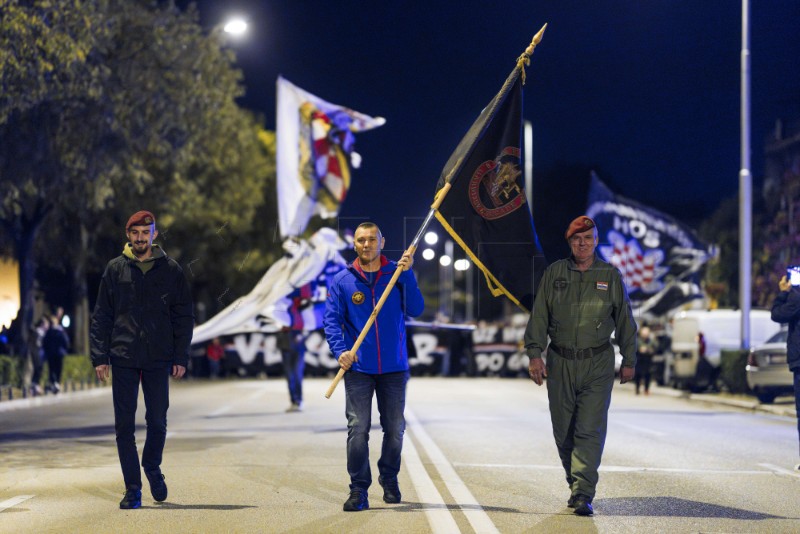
580,224
140,218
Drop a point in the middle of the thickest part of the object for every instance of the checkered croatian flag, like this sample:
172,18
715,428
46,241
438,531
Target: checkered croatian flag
655,253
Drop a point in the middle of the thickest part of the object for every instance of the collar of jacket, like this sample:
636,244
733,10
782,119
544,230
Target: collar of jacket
356,267
158,253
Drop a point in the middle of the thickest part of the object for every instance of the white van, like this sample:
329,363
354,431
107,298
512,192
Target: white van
721,329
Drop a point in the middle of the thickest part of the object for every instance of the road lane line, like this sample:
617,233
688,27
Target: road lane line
228,407
624,469
13,501
781,470
640,429
473,511
439,517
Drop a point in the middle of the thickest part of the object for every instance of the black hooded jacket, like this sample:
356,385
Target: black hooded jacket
142,320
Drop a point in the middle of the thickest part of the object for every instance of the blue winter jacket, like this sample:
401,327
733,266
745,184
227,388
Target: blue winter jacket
351,299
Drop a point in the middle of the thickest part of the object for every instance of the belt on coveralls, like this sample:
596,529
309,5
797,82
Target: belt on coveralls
579,354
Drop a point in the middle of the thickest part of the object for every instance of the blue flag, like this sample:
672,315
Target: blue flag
660,258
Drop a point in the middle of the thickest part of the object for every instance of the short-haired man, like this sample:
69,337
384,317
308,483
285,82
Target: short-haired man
786,309
380,366
581,300
141,329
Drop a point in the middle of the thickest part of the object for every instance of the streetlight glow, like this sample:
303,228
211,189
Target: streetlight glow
428,254
431,238
235,26
445,260
461,265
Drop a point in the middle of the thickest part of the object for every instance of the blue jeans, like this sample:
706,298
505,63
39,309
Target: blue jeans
125,391
294,366
390,390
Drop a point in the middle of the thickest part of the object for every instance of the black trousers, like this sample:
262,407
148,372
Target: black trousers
155,386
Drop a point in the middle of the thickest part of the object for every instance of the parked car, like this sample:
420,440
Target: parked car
710,331
768,375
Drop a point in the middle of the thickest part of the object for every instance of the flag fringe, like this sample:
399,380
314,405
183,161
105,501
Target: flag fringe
495,287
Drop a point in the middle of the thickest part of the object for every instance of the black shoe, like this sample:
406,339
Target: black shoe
158,488
571,501
356,502
583,505
132,498
391,491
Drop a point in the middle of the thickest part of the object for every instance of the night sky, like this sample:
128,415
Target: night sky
644,92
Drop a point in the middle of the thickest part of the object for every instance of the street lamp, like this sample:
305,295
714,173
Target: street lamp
431,238
235,26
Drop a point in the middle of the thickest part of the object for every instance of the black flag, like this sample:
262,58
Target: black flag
486,211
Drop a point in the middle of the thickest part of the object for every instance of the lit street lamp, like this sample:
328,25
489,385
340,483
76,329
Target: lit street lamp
235,26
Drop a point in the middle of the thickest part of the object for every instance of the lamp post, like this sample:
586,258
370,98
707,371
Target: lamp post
745,184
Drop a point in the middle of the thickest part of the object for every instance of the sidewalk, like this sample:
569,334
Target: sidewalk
783,406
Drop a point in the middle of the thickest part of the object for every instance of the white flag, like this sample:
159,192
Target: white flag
314,141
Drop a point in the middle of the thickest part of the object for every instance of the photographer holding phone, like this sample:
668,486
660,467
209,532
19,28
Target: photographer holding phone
786,309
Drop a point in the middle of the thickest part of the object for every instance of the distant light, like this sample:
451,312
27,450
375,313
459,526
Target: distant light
445,260
66,321
428,254
235,26
431,238
461,265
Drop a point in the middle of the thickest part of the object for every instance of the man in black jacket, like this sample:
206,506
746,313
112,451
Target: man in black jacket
786,309
141,328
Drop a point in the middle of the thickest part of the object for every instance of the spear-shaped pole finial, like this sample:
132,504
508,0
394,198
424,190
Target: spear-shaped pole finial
525,59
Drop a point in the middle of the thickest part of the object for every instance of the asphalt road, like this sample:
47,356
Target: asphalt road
478,457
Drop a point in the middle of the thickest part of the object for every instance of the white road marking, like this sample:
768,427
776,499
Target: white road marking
13,501
781,470
439,517
625,469
637,428
473,511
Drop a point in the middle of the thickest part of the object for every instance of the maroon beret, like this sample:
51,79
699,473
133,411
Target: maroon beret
140,218
580,224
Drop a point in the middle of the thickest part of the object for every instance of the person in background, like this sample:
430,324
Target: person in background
580,301
141,329
291,342
644,359
786,309
380,366
55,345
36,352
215,352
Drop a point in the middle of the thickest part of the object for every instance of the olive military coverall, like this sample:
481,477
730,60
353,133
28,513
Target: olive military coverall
579,311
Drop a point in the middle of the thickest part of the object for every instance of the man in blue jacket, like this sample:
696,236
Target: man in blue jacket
380,365
786,309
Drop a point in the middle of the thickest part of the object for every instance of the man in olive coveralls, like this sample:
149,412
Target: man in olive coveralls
581,300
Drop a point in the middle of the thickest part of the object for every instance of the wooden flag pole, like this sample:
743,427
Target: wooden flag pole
410,251
522,61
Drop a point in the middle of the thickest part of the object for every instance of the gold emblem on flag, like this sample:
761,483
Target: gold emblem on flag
358,297
493,189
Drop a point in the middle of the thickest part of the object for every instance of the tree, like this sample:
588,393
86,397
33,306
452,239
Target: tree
115,105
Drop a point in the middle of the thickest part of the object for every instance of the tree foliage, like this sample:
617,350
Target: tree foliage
110,106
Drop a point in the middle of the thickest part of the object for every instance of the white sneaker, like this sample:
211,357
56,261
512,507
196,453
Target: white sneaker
294,407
